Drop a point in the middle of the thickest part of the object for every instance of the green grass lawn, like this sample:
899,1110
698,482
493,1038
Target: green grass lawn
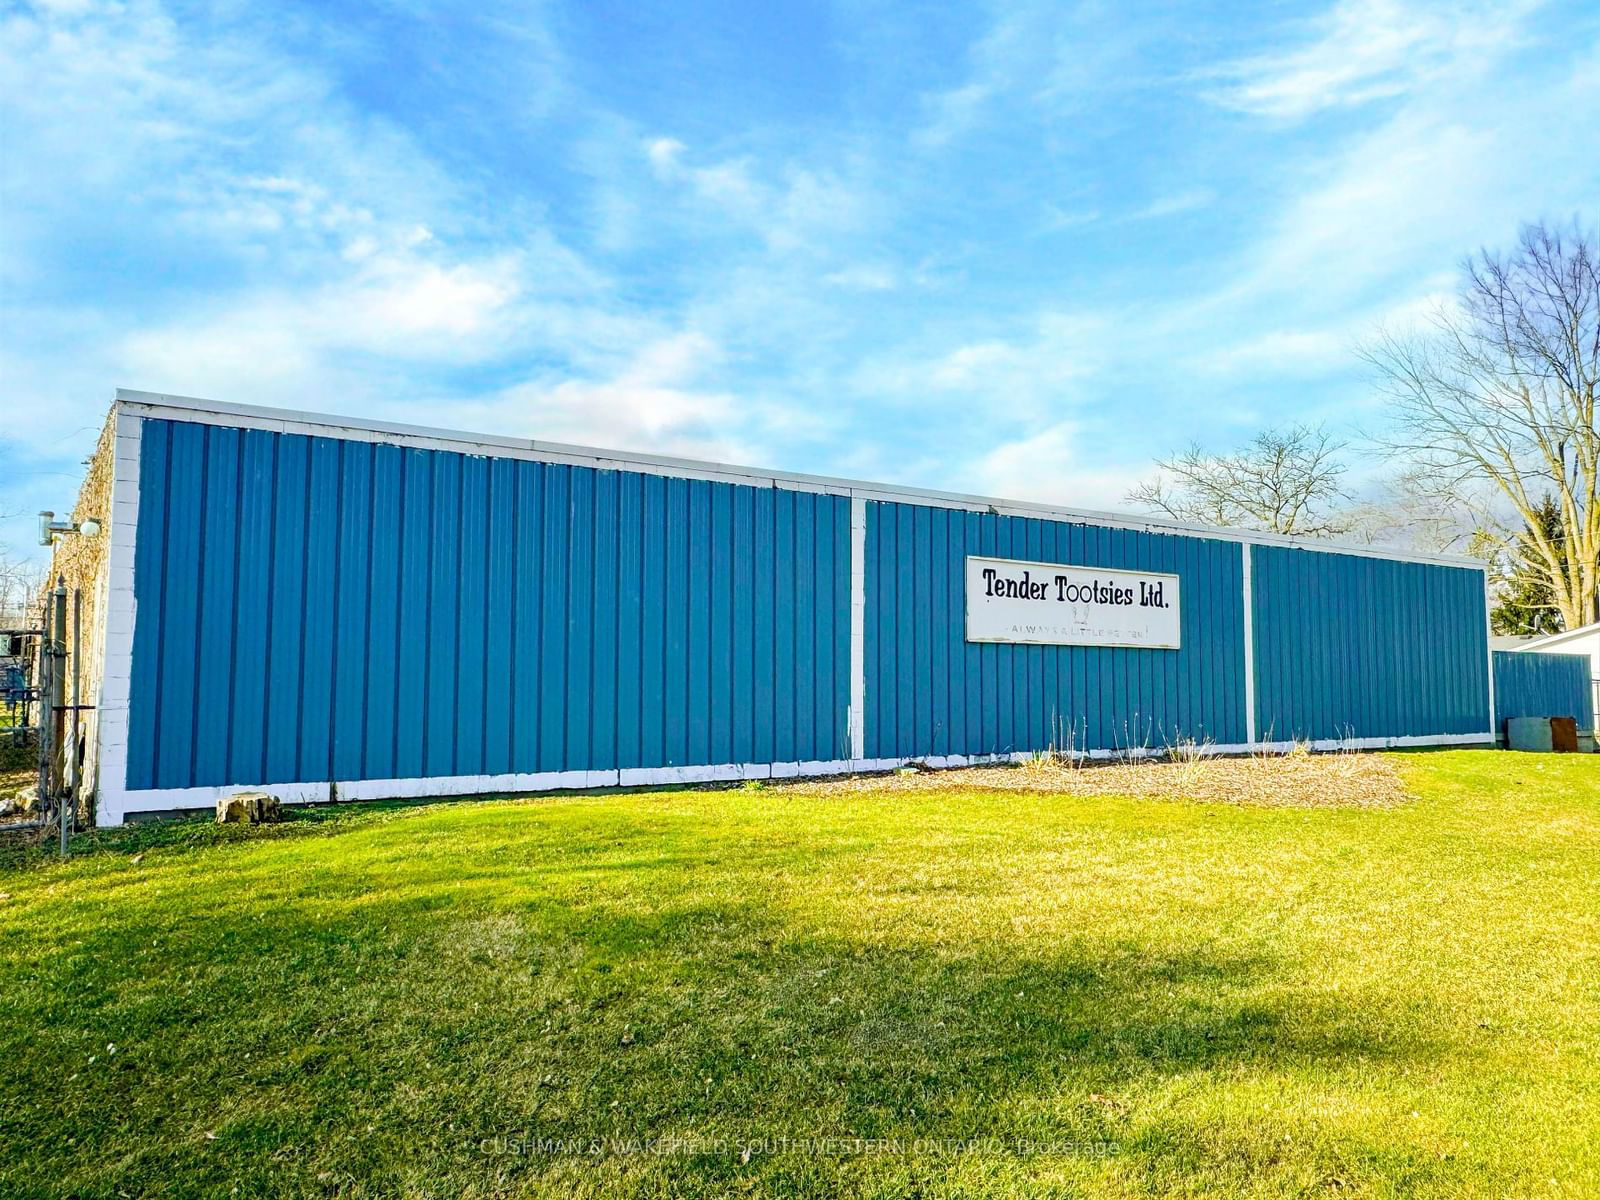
998,994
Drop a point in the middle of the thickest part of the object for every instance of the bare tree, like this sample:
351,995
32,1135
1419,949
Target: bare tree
21,580
1284,480
20,583
1500,391
1402,510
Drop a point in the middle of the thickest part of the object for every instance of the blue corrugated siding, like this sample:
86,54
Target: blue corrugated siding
1543,685
313,608
1352,646
929,692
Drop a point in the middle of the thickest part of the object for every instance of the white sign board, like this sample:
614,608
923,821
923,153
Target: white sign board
1049,604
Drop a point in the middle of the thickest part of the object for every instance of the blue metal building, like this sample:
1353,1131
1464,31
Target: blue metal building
324,607
1539,684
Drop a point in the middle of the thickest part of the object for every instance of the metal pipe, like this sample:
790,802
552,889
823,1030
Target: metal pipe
75,743
77,640
58,717
46,712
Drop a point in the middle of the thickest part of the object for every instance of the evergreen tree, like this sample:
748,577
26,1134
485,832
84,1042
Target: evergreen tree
1527,601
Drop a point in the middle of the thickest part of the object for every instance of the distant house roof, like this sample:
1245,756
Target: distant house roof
1555,639
1511,641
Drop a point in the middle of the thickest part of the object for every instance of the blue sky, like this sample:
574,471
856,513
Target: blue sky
1018,248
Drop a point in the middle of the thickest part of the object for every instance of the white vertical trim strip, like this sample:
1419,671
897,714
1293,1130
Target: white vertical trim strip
1249,648
112,801
1488,641
858,628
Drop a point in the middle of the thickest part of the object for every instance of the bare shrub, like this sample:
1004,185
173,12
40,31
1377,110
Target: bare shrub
1189,771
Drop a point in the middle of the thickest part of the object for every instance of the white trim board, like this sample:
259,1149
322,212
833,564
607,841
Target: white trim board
858,628
170,799
242,416
1488,633
1554,639
1246,558
111,749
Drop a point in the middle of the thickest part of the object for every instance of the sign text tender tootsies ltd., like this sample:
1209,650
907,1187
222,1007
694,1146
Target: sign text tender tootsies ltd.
1050,604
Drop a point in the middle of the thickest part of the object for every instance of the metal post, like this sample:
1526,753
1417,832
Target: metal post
45,710
58,716
74,718
77,639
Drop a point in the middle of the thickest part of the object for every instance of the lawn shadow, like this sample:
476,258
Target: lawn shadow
197,829
452,1031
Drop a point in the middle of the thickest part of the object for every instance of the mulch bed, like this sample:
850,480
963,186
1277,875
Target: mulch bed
1294,780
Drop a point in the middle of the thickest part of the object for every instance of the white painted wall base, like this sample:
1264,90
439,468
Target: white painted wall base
116,808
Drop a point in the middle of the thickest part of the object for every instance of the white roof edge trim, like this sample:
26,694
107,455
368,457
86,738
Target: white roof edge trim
1551,639
161,404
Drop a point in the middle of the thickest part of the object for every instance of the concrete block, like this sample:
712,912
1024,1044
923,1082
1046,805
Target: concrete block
1529,733
248,808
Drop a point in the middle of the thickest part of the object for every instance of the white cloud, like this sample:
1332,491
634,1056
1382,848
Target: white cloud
1359,51
663,153
863,277
1040,369
656,401
1054,465
329,254
1385,212
287,246
1308,352
394,304
1040,58
794,207
1420,192
1282,352
1171,205
271,244
952,113
1057,218
271,239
